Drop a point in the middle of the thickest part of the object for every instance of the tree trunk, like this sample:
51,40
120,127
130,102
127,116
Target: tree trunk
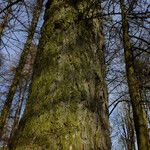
67,106
19,69
129,129
140,119
21,97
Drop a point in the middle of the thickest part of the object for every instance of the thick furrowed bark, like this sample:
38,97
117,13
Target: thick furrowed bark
67,105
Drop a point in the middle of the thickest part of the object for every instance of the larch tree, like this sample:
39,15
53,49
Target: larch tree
20,67
67,106
139,114
128,133
22,91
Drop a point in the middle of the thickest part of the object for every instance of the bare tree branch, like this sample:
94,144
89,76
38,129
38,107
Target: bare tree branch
10,5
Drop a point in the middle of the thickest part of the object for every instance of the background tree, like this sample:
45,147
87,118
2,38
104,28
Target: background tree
140,119
19,69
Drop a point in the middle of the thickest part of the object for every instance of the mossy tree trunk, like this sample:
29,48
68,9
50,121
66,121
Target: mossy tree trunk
20,67
67,106
139,114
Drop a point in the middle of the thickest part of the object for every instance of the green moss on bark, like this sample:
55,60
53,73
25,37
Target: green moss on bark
67,105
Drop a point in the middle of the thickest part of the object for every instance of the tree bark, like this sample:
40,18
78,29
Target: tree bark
140,119
20,67
67,106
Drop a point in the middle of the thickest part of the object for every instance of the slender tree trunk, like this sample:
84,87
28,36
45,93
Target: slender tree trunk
140,119
21,98
67,106
130,140
19,69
